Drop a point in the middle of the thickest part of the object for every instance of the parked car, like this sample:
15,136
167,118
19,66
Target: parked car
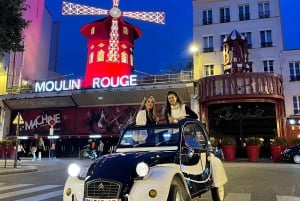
152,163
291,154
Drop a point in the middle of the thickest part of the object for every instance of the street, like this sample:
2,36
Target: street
263,181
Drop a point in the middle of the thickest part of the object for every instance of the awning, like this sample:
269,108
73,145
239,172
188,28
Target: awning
92,97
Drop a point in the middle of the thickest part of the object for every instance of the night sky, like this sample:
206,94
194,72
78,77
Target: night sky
160,46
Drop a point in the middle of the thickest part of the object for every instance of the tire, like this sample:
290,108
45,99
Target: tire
296,158
174,194
218,193
177,192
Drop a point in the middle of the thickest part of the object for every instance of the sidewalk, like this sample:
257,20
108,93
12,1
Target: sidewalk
21,168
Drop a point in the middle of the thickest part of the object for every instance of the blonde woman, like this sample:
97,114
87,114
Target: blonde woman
147,113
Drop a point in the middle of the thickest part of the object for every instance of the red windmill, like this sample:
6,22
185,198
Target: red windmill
110,40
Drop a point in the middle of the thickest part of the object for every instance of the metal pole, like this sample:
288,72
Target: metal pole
17,141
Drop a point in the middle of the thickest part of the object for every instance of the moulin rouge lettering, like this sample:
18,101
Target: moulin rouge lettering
97,83
40,121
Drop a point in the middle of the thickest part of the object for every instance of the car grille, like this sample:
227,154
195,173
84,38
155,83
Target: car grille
103,189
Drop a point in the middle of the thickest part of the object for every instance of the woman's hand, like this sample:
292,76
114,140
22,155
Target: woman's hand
175,120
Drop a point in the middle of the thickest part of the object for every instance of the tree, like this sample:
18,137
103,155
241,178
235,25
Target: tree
12,25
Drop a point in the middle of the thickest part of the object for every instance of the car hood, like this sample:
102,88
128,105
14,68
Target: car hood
294,149
121,166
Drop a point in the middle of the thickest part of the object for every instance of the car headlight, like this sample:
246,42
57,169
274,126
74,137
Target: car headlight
74,170
142,169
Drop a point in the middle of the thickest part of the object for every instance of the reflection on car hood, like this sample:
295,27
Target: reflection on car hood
293,149
121,166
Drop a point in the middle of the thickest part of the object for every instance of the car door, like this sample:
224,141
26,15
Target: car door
195,157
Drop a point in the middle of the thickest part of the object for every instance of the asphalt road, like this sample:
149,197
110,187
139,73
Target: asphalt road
262,181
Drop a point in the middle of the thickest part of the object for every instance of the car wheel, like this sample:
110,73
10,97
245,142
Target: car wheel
218,193
174,194
296,158
177,193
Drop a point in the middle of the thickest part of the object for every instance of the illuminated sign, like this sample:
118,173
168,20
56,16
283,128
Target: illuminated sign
97,83
40,121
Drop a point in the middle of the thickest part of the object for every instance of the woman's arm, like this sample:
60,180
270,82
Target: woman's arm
141,118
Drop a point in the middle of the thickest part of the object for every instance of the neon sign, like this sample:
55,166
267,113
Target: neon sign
97,83
41,120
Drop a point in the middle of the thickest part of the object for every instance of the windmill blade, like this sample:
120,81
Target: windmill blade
156,17
116,3
69,8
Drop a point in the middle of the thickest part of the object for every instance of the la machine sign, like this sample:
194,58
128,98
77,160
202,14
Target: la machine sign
97,83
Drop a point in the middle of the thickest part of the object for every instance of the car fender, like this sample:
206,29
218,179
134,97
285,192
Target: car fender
160,179
76,186
218,171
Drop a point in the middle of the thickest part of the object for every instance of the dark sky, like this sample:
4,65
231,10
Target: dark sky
157,48
160,46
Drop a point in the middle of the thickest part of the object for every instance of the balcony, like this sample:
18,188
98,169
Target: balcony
240,85
224,19
208,49
244,17
265,14
207,21
266,44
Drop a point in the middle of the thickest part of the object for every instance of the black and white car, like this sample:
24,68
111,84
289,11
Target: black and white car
170,162
291,154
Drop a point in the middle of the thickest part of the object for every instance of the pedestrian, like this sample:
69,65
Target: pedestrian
52,150
20,153
40,148
147,112
100,148
176,110
34,145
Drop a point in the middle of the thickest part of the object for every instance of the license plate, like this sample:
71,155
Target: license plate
97,199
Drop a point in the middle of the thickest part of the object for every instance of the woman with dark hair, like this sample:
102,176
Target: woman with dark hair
176,110
147,113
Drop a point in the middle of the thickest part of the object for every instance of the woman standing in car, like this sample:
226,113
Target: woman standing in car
176,110
147,113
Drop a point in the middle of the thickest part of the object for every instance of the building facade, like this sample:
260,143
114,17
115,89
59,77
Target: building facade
252,107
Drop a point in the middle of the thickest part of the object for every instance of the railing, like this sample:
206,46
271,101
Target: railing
183,76
230,86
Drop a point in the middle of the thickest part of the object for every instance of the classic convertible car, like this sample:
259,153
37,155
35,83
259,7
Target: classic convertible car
152,163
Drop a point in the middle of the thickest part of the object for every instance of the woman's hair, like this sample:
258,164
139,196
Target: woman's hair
143,107
168,105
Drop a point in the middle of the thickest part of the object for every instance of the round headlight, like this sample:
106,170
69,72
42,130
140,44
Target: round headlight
142,169
74,170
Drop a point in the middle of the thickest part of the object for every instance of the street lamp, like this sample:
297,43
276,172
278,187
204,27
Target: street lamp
197,61
194,49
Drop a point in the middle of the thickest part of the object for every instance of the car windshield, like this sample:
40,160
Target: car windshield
149,139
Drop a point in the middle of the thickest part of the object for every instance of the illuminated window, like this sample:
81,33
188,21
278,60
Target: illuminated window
224,15
91,58
131,59
125,30
294,71
268,66
209,70
92,30
266,38
124,57
296,105
100,55
244,12
208,44
207,17
263,10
